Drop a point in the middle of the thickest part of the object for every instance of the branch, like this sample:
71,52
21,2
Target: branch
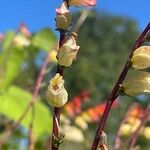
31,134
60,70
117,143
56,116
135,135
115,92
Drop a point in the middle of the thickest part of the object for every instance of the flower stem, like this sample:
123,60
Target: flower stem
115,92
56,116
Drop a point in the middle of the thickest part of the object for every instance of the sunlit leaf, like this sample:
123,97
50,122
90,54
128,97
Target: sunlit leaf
14,101
8,40
10,65
44,39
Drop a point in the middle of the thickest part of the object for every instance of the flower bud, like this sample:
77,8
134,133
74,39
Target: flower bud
68,51
81,2
137,84
125,130
146,132
63,21
141,58
80,121
24,30
76,134
56,94
52,56
1,37
63,18
21,40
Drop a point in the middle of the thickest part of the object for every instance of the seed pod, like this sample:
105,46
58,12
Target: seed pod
81,2
63,21
141,58
137,84
56,94
68,51
63,18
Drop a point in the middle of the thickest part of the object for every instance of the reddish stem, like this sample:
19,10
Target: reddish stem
114,94
135,135
57,110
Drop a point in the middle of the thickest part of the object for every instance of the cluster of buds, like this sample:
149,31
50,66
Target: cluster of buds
139,82
56,94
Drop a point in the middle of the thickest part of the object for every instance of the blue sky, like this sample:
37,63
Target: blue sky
40,13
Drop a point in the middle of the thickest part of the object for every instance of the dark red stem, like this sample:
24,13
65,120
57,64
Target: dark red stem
56,116
114,94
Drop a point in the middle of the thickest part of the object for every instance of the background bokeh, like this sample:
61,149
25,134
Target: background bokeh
105,38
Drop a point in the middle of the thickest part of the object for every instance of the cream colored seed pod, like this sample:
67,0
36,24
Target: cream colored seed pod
137,84
141,58
56,94
63,21
68,51
63,18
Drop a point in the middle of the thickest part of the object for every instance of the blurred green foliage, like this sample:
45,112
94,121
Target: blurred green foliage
18,73
105,42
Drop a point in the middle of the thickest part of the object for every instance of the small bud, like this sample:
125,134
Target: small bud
103,144
68,51
86,116
146,132
1,37
125,130
72,133
21,40
80,121
24,30
52,56
63,21
137,84
56,94
141,58
81,2
63,18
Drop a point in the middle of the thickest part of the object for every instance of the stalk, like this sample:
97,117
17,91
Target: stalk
115,92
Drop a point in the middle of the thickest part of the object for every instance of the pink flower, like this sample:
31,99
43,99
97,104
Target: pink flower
1,37
82,2
63,9
24,30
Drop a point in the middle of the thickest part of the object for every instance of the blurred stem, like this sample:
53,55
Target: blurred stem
81,20
56,116
117,143
31,134
135,135
7,135
115,92
60,70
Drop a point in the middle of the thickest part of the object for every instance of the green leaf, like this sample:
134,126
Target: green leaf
14,101
44,39
10,65
8,40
